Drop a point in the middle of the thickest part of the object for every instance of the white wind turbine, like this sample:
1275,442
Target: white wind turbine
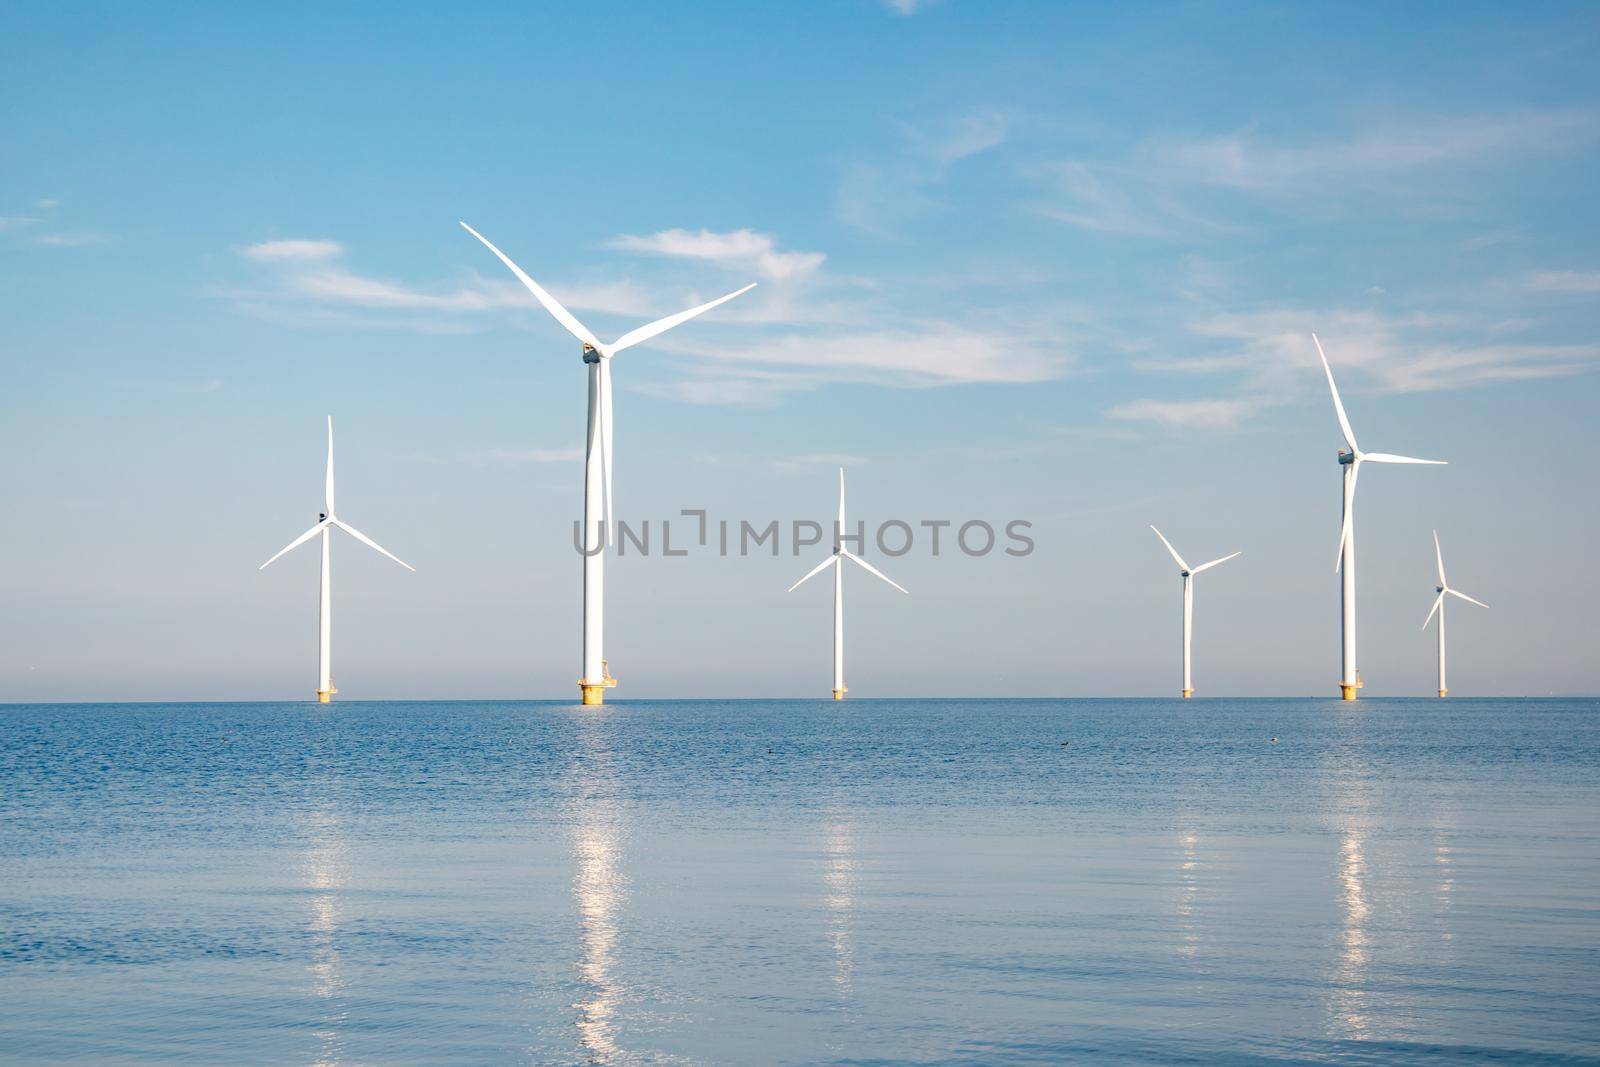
1188,573
597,462
1438,605
1349,676
836,561
325,523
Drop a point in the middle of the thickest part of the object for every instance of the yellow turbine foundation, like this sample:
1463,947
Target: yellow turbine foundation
595,692
1348,691
1444,693
838,694
325,696
1187,693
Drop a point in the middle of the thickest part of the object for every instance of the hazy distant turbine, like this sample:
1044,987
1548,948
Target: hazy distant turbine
1438,606
1188,605
326,522
836,561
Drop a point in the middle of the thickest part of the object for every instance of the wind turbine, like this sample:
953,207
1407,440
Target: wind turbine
325,523
1350,677
1438,605
836,561
597,462
1188,573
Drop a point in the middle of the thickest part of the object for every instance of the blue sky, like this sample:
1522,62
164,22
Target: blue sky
1016,261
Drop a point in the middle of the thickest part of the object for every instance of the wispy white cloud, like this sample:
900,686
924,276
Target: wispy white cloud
43,216
906,7
1269,360
958,137
1185,414
1491,239
819,459
878,196
835,329
530,455
736,249
1106,200
178,386
1449,367
338,285
1163,186
1247,160
1565,281
311,269
298,250
761,369
70,240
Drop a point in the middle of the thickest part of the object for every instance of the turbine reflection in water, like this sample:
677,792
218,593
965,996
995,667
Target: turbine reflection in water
599,890
1350,970
1188,893
325,871
1445,873
840,881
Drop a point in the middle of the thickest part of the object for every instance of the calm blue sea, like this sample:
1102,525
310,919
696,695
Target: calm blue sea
1086,881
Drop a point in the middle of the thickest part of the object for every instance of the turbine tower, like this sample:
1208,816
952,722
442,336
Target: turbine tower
1345,561
1188,573
836,561
1438,605
597,462
325,523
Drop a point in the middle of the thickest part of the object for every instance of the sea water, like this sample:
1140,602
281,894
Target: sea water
915,881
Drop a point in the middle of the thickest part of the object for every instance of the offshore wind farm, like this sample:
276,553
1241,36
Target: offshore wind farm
591,783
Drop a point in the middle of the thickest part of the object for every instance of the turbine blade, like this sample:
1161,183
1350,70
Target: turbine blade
812,573
1465,597
327,489
296,543
870,569
1385,457
1181,564
1338,405
605,441
1439,557
1213,563
369,542
1438,602
841,502
644,333
1349,517
551,304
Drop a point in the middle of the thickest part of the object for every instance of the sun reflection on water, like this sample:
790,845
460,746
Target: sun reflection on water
599,891
1188,893
325,870
1350,969
840,879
